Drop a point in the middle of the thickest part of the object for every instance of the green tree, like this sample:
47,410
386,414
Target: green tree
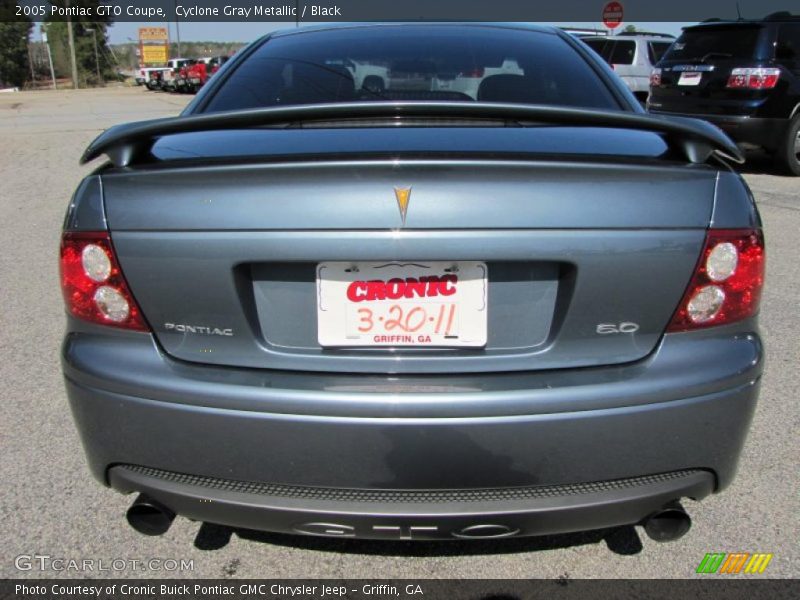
630,28
84,32
14,65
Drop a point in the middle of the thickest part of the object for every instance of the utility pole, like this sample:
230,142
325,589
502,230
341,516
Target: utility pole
72,60
49,58
30,61
177,28
96,58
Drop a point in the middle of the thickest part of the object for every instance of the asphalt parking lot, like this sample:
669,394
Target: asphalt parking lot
49,505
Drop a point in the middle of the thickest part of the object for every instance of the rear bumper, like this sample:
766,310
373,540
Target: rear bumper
410,515
218,442
744,130
638,84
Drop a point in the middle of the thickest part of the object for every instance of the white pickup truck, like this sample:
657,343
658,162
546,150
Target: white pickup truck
152,76
143,74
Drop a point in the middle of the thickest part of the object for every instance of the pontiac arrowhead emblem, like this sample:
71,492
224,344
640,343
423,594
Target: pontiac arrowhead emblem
403,195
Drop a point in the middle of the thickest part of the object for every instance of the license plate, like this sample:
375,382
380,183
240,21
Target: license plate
442,304
690,78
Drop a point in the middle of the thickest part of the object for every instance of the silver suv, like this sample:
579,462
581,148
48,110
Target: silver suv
632,55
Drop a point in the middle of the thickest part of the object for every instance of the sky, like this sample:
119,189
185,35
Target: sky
120,33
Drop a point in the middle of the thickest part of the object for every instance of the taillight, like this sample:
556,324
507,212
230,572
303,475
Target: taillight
655,77
92,282
476,72
726,285
761,78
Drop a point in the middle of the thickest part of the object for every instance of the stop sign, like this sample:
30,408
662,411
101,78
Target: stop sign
612,15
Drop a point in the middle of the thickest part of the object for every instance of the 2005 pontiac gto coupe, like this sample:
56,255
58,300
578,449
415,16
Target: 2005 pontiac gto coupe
413,282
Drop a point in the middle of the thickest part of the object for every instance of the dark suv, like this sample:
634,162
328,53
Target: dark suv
743,76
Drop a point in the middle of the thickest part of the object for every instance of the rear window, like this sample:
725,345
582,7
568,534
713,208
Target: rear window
788,46
656,50
623,53
614,52
602,47
717,42
420,62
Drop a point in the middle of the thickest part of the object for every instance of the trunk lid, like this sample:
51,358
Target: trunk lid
221,249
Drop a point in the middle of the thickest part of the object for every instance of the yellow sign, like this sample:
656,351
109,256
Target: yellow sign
154,54
153,34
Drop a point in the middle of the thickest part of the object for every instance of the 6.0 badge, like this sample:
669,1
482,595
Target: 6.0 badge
624,327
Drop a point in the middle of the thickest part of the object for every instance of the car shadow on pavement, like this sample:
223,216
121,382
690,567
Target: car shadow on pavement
621,540
758,163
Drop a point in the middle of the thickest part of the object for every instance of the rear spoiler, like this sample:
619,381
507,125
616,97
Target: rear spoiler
697,140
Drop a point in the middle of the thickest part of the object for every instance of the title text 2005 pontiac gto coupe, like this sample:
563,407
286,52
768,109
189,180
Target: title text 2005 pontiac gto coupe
413,282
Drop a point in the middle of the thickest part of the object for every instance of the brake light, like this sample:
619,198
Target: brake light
655,77
754,79
476,72
92,282
726,285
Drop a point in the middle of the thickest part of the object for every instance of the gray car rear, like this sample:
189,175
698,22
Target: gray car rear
590,235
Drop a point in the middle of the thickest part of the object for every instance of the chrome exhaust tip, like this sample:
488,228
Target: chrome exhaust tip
149,517
668,524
